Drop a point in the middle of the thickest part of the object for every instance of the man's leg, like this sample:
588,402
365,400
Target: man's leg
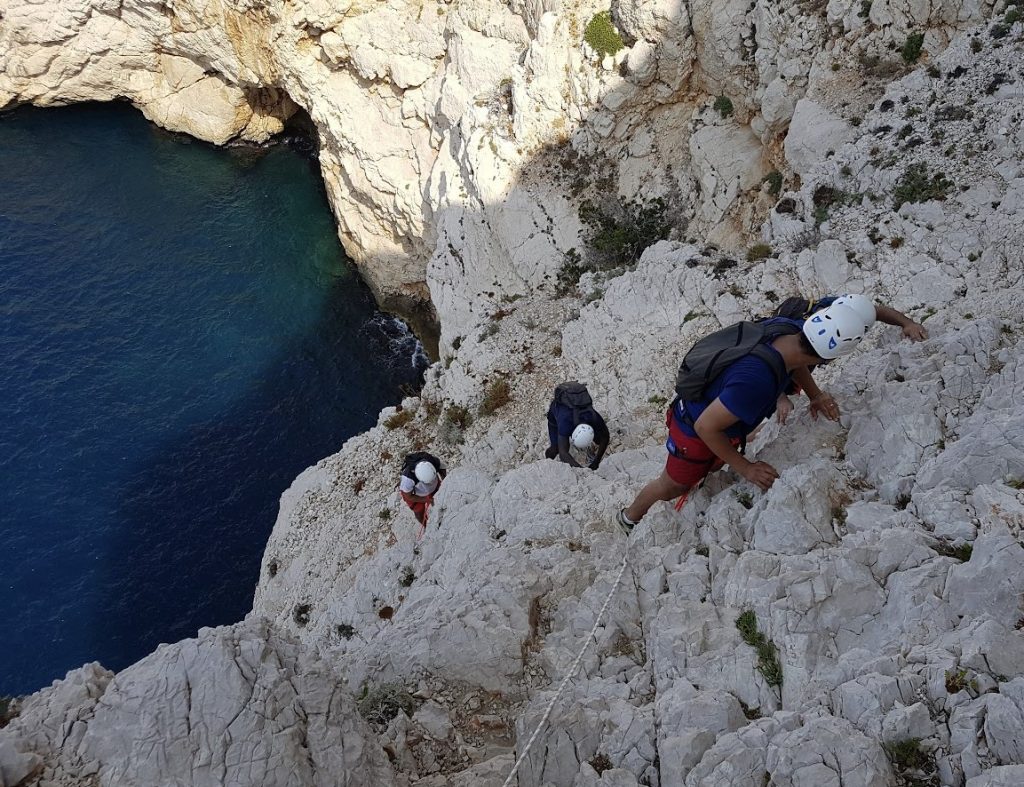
661,488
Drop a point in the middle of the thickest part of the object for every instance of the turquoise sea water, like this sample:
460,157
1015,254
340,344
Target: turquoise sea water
180,336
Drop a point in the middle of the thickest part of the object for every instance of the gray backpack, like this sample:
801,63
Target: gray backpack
576,397
713,354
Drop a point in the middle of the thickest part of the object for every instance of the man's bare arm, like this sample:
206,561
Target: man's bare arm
912,330
710,428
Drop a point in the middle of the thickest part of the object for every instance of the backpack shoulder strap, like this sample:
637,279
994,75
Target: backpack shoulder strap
772,360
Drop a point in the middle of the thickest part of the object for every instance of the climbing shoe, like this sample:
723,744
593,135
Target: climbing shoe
624,524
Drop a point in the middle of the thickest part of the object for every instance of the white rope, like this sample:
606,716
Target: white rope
568,675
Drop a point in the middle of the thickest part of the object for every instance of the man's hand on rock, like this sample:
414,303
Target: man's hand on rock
915,331
761,474
825,405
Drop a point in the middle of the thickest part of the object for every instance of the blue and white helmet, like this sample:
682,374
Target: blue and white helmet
834,331
860,304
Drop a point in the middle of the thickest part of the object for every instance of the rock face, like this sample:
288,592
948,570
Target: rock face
440,125
881,576
238,705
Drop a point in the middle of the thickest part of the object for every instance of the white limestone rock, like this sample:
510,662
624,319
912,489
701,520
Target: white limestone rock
442,139
828,752
727,160
1002,776
1004,722
239,705
813,132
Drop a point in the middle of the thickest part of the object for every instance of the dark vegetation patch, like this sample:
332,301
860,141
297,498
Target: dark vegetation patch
767,654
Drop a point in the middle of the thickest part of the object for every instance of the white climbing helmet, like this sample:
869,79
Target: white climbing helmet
834,331
425,472
582,437
861,304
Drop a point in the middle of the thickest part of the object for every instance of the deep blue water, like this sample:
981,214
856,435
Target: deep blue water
180,335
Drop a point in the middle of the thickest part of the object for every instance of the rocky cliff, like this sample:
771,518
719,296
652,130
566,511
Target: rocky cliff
858,624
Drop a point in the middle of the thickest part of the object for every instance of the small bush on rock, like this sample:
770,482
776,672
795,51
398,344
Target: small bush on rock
381,704
345,630
619,233
602,36
957,681
459,416
758,251
399,419
570,272
454,424
774,181
916,184
907,754
497,395
723,106
767,655
911,50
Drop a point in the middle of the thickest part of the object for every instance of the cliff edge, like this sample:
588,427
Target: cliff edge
861,623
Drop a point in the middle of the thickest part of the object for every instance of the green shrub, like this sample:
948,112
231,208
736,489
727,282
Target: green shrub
381,704
758,251
408,577
385,514
907,754
497,395
767,655
916,184
723,106
911,50
620,231
601,35
956,681
570,272
774,181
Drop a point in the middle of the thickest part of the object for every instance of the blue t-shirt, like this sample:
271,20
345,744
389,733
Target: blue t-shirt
560,422
747,389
